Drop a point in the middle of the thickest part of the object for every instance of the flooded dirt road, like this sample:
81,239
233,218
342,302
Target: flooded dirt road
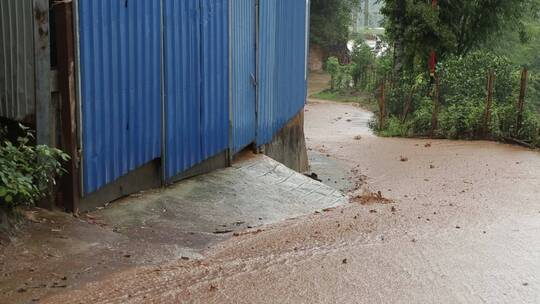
462,225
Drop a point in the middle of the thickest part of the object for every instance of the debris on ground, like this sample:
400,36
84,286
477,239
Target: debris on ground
314,176
358,137
369,198
403,158
428,145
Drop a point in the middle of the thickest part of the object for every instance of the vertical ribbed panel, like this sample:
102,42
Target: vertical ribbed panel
17,86
243,44
120,58
215,77
196,82
282,64
182,85
267,71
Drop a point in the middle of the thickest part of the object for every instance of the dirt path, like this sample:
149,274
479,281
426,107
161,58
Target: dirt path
463,228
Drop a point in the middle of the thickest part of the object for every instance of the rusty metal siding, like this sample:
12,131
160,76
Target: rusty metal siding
196,82
17,61
282,64
120,66
244,72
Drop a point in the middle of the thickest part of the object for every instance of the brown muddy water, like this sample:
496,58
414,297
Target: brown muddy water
461,224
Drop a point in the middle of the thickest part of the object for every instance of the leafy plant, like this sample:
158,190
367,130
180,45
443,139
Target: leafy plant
341,78
27,172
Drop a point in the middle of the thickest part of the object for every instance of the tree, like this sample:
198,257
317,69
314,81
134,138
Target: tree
453,27
330,22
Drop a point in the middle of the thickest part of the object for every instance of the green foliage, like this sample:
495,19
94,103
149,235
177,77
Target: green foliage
341,78
362,61
27,172
456,27
394,127
464,79
330,21
462,120
463,102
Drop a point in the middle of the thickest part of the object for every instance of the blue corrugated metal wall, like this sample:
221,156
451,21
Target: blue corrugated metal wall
121,87
122,77
215,77
244,72
282,64
196,82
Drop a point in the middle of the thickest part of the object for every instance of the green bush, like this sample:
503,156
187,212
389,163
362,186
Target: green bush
421,118
340,75
362,61
464,79
462,120
27,172
394,127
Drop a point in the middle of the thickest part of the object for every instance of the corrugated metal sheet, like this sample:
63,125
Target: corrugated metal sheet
282,64
196,82
182,85
244,96
120,58
215,77
17,72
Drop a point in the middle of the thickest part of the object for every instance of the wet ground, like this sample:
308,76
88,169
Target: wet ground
55,252
428,222
460,223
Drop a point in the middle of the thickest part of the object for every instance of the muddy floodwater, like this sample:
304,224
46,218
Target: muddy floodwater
459,223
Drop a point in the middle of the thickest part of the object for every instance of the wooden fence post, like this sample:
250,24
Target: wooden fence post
436,106
408,104
489,102
521,100
70,184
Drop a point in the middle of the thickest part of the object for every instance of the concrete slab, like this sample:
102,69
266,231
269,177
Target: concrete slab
257,190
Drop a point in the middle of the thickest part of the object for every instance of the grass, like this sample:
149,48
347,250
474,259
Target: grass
364,100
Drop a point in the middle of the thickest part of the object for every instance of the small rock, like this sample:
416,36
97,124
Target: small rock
372,211
403,158
525,284
21,290
428,145
431,166
344,261
127,255
185,258
458,227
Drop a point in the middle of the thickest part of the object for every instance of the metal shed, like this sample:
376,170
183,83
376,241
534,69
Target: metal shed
153,91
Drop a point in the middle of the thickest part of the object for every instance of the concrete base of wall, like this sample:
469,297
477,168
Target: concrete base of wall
144,178
289,145
217,162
